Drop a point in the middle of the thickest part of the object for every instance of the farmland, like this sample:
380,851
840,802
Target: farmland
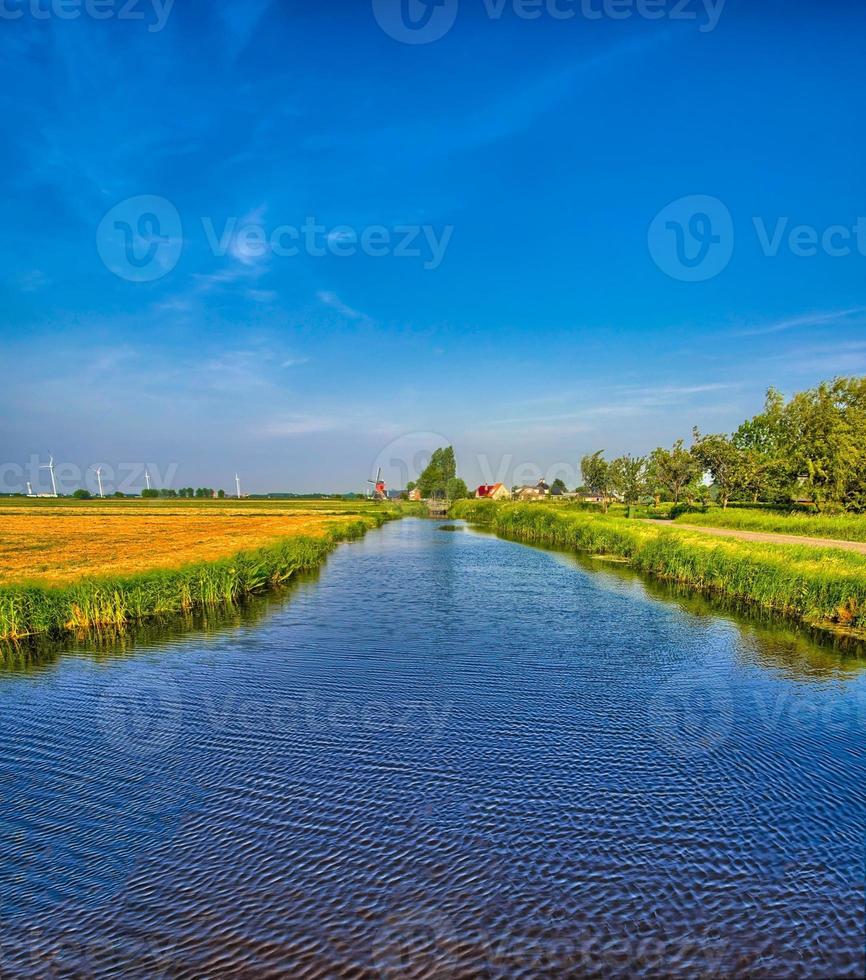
67,565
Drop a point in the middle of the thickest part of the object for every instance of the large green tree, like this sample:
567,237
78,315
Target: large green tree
765,440
826,435
673,471
456,489
628,479
441,468
595,471
730,467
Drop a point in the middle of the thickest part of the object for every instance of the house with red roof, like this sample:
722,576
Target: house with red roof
493,491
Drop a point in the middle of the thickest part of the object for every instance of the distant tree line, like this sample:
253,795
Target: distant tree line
811,448
185,492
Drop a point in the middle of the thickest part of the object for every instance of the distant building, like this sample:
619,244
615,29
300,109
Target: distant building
415,494
493,491
536,492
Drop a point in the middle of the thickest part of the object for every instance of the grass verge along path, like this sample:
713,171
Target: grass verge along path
829,527
771,537
823,587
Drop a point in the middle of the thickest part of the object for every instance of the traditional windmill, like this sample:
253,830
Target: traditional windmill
378,492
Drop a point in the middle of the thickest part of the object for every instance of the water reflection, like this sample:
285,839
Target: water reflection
766,638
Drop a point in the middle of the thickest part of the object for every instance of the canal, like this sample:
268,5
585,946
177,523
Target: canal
446,754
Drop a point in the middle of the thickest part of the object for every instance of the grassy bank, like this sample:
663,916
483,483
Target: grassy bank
819,586
29,608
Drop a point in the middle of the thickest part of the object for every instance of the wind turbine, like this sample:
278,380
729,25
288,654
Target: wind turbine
99,480
238,485
50,467
29,489
147,478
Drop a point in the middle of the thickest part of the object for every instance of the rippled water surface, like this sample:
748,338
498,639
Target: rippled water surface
447,755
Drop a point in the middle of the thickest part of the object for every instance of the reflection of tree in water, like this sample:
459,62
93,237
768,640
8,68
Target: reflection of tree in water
38,653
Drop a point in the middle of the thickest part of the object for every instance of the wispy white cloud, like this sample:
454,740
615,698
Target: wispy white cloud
623,399
33,281
298,425
333,301
817,319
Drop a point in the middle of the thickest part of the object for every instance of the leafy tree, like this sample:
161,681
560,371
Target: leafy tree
769,472
455,489
221,494
82,494
410,486
672,471
441,468
826,432
558,484
627,477
117,493
149,494
729,466
596,476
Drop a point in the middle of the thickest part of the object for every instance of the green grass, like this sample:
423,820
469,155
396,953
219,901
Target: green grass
31,609
842,527
822,587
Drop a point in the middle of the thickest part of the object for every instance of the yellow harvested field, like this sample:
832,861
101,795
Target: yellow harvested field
59,543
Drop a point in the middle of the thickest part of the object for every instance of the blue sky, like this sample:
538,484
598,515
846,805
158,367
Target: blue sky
535,154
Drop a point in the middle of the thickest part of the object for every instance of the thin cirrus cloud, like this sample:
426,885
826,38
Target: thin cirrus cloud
620,399
298,425
820,319
333,301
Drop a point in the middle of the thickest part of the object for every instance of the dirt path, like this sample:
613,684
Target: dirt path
766,537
